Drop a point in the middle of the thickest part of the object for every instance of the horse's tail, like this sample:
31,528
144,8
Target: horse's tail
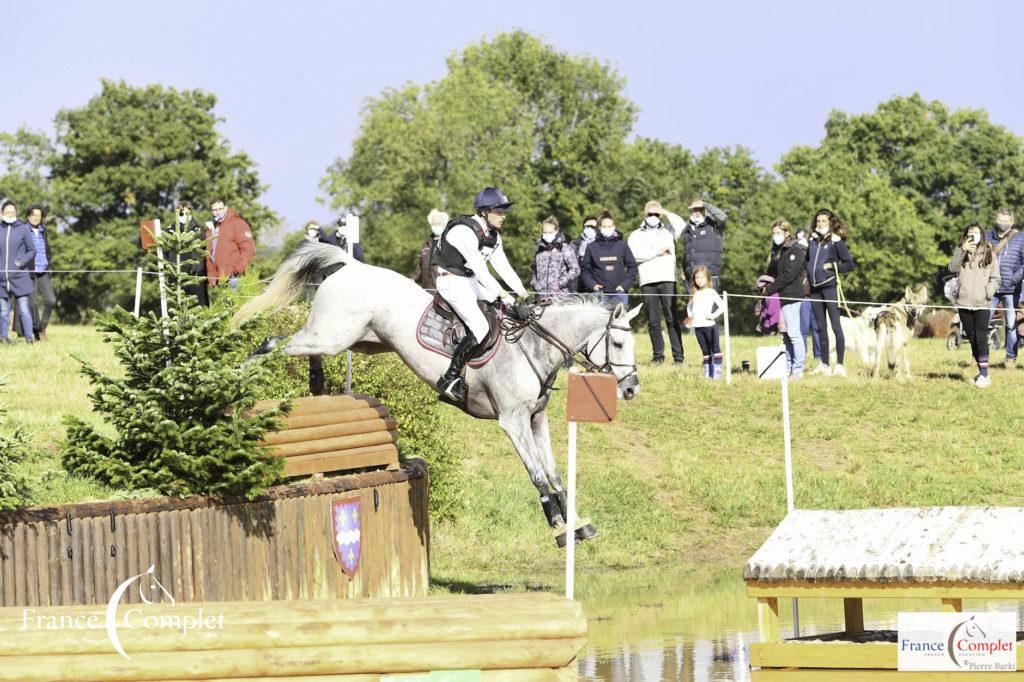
291,279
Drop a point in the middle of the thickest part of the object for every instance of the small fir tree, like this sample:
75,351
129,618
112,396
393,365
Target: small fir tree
181,413
15,491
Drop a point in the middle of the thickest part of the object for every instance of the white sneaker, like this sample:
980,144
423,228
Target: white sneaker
839,371
982,381
822,369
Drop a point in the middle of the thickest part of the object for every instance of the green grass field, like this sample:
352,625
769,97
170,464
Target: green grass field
690,473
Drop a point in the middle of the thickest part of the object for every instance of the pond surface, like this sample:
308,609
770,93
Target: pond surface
660,624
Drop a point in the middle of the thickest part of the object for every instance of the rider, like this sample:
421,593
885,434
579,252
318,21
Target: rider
467,244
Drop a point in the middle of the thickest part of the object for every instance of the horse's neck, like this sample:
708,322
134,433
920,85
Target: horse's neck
573,325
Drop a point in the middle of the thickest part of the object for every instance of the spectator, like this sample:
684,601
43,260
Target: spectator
230,247
555,265
702,312
424,275
312,232
654,247
42,286
580,244
808,326
827,257
702,241
196,259
977,271
608,266
1009,249
339,237
786,265
17,249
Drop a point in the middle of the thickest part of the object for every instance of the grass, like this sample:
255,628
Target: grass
691,473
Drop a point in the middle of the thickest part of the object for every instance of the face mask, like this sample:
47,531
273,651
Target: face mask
312,234
218,218
1004,226
976,238
182,219
778,239
696,218
548,237
821,230
9,221
437,230
589,233
607,232
652,221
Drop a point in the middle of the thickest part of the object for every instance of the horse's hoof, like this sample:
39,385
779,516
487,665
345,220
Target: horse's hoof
585,532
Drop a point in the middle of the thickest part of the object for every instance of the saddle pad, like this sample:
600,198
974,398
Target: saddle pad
437,334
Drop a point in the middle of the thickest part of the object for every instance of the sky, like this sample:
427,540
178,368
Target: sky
292,77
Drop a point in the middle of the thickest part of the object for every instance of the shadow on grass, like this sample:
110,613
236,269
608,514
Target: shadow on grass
456,586
949,376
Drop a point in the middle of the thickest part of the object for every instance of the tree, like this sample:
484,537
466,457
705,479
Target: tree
511,112
15,489
179,412
25,155
128,155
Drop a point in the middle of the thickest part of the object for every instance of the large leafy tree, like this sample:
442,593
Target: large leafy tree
127,155
512,112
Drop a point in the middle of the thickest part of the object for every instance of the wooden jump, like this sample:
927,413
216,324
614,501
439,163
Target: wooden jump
531,636
322,434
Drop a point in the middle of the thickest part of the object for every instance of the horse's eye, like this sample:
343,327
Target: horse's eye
617,345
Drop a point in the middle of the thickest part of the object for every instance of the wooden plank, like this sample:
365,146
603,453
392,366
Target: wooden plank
165,567
20,561
183,556
200,558
120,542
321,403
176,585
30,567
768,619
870,590
338,460
79,562
100,554
379,658
152,523
330,431
853,614
110,581
7,557
66,564
274,567
304,421
358,440
823,655
131,549
53,562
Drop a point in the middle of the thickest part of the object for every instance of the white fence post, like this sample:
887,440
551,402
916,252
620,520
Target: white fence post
138,291
570,521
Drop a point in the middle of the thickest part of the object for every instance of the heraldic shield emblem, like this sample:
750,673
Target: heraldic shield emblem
347,524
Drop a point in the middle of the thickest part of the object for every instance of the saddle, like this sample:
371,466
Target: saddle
440,330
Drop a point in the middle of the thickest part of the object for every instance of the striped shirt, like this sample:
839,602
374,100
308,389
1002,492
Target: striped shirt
42,264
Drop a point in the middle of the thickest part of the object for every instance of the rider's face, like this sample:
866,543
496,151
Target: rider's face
496,219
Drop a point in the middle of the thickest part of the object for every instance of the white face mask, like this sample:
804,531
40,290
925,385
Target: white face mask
778,239
976,238
437,230
821,230
696,218
589,233
607,232
9,221
652,221
548,237
182,219
312,234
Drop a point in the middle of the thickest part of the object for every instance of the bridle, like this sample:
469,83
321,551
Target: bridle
515,329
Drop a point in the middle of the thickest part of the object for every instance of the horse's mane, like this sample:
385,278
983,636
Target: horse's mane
582,300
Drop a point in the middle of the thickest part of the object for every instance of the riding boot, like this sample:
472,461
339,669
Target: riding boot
451,384
316,375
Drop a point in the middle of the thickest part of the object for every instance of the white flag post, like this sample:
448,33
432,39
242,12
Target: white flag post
138,291
352,233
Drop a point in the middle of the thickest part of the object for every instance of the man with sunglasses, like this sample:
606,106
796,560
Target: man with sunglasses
466,246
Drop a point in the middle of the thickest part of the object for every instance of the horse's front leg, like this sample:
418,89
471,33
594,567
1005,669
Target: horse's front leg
542,441
516,423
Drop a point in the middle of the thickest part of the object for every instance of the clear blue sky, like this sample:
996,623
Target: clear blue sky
291,76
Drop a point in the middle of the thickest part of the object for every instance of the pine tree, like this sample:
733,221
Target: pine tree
15,491
180,411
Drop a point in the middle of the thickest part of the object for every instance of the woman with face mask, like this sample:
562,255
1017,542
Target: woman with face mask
977,270
608,267
786,265
827,258
554,263
579,246
424,275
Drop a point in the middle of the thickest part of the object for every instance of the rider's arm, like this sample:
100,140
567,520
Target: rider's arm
505,271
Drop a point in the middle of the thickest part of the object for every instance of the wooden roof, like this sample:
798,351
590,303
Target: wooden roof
918,545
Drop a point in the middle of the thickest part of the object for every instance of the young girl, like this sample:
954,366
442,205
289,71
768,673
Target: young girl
827,258
704,308
977,269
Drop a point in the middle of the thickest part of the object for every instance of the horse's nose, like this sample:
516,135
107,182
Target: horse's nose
629,393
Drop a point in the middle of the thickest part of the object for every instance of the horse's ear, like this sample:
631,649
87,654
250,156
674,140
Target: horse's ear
923,291
909,292
633,313
618,311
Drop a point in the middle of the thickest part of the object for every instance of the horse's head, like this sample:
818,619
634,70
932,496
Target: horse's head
613,348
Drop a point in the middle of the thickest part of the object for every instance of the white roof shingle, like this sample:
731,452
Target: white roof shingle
923,544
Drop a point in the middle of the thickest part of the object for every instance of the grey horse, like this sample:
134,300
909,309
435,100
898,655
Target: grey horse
370,309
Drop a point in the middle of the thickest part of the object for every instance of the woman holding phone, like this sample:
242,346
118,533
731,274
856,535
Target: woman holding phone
977,271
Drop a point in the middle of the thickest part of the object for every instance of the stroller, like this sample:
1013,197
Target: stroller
956,333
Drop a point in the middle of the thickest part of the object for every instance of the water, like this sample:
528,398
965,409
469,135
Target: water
682,625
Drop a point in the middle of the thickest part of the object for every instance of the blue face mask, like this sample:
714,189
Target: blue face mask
589,233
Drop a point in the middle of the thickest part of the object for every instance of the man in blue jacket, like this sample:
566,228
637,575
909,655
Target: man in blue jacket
608,266
1008,244
17,250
